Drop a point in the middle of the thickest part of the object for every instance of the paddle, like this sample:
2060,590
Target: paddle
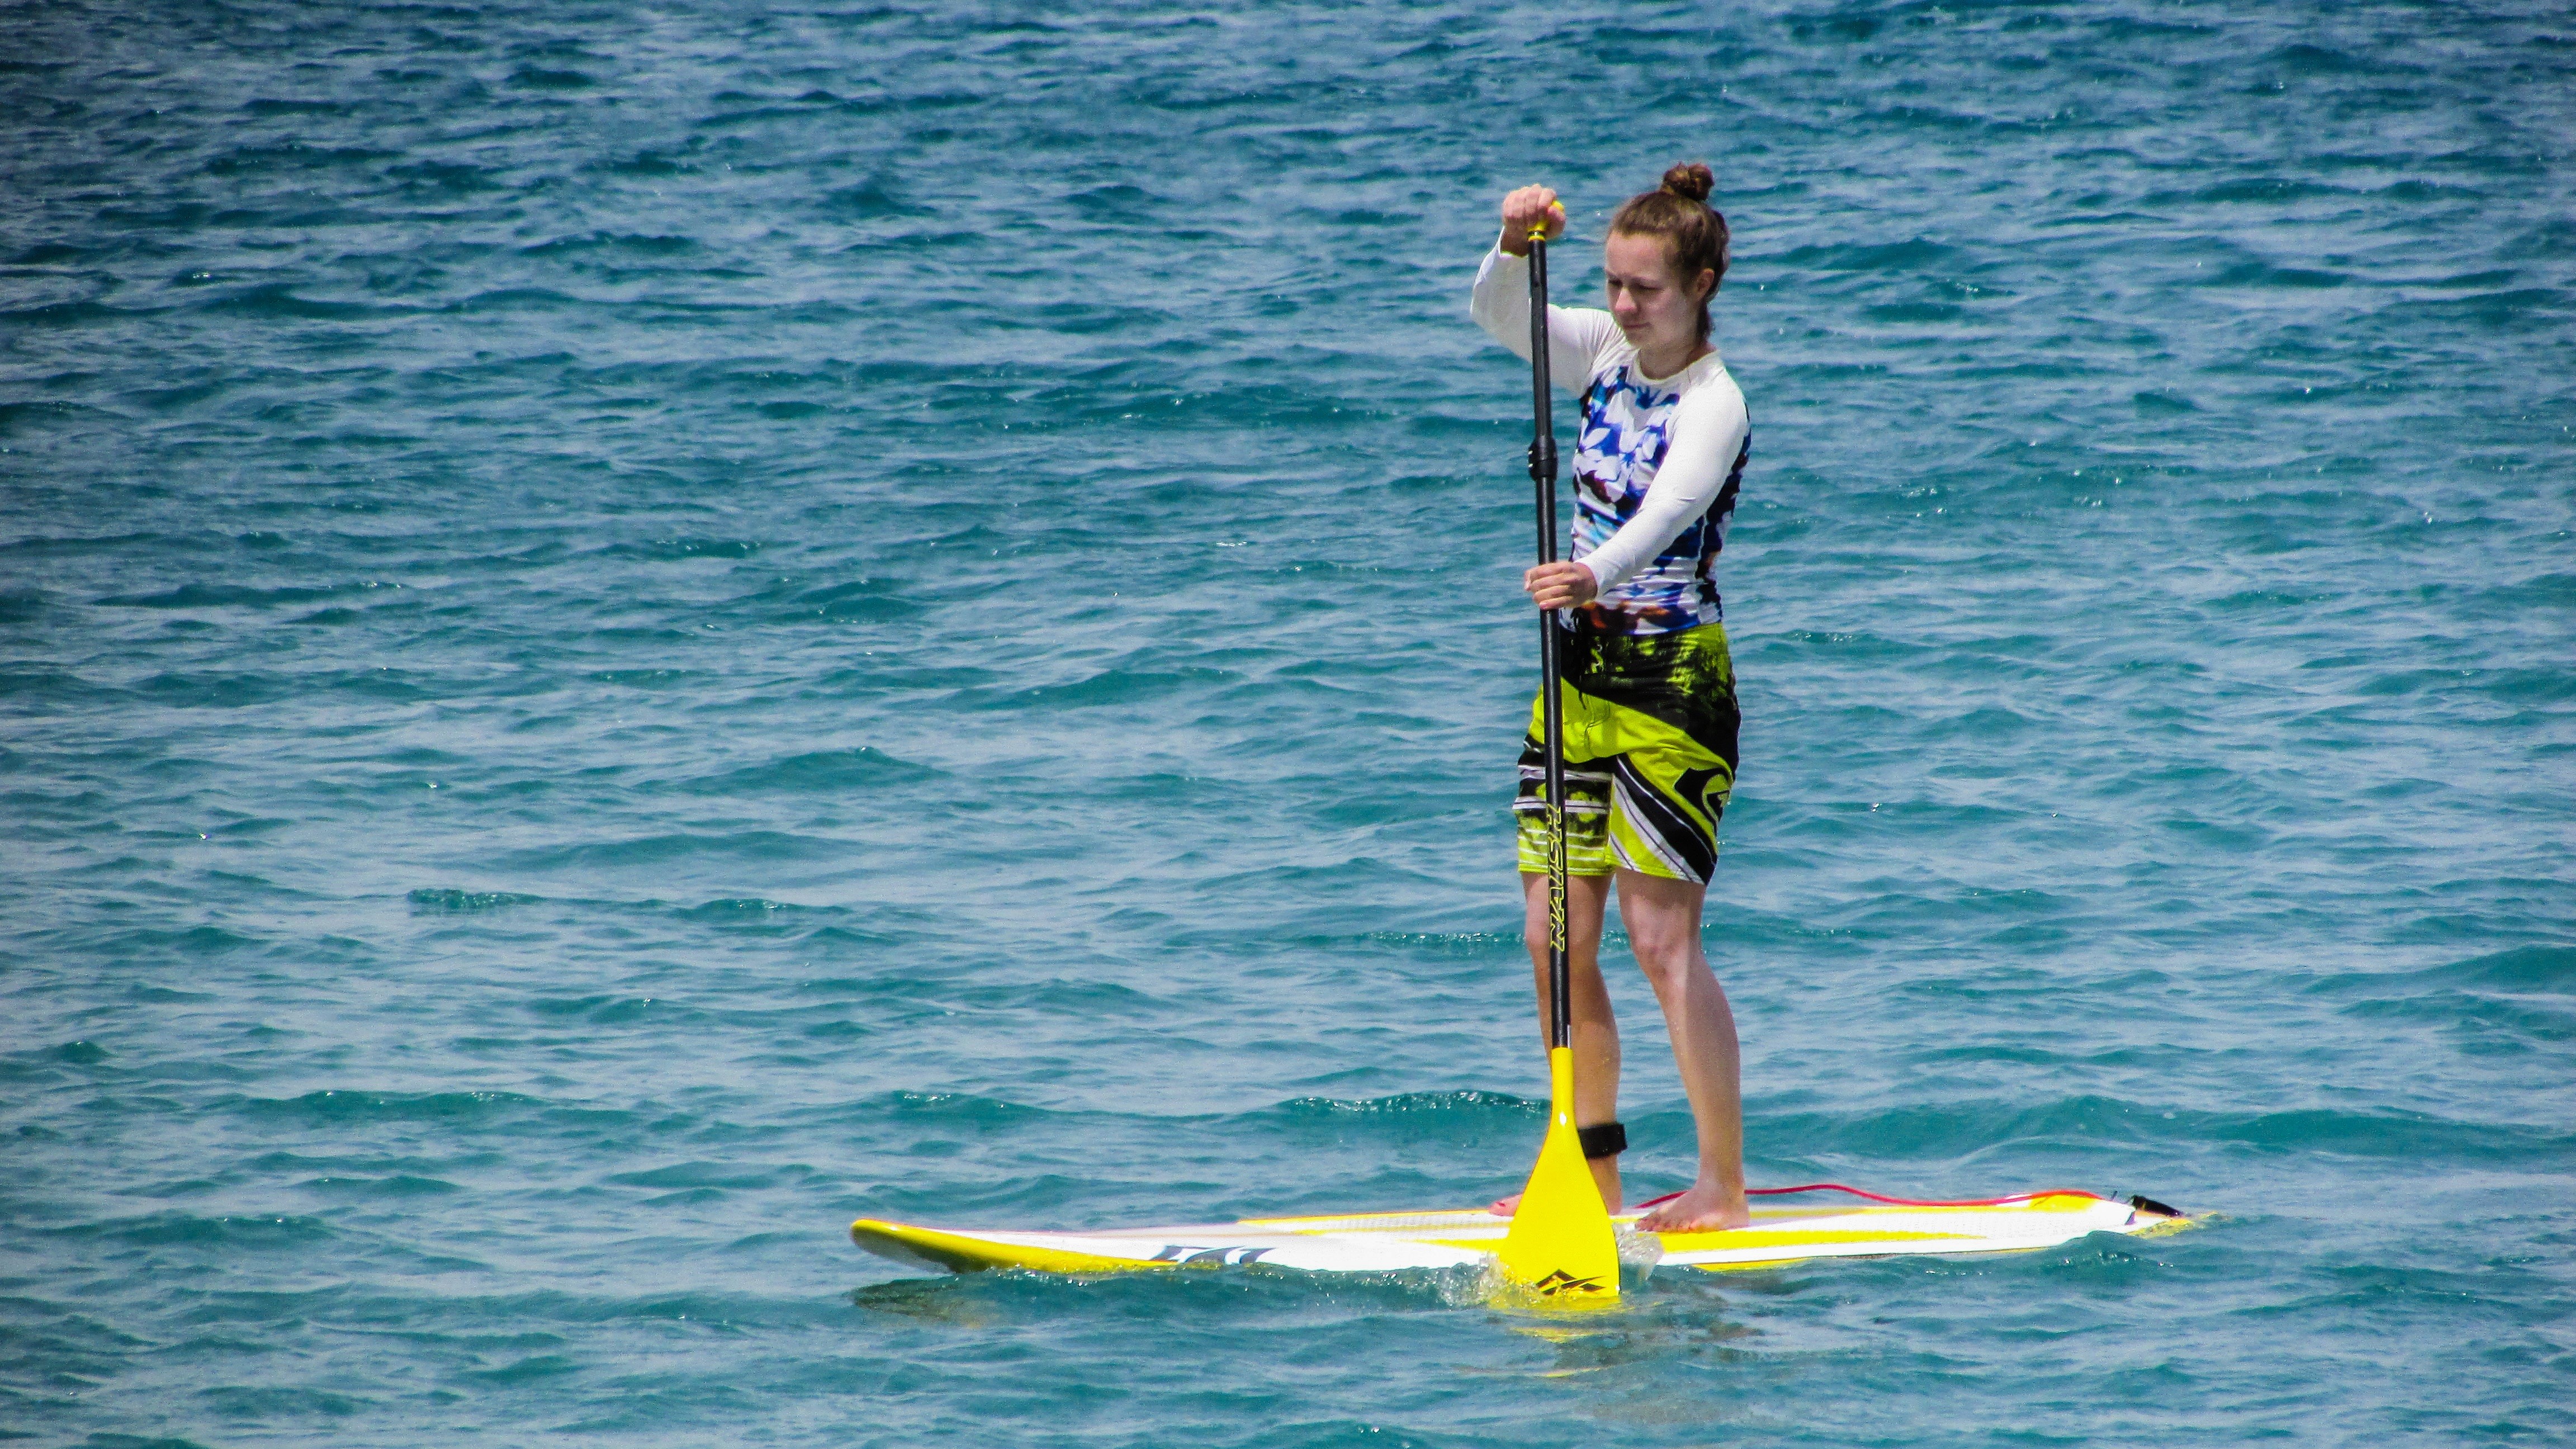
1560,1241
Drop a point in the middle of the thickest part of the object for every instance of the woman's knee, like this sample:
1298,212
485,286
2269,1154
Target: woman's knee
1670,965
1663,921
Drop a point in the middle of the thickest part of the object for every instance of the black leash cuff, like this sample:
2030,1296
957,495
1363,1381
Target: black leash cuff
1602,1139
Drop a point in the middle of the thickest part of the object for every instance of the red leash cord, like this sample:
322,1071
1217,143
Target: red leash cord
1899,1201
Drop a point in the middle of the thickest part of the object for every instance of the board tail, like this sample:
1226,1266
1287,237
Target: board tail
1561,1243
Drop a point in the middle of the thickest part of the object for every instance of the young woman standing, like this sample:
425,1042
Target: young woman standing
1649,690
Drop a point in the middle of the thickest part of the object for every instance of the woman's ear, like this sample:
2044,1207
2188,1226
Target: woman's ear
1707,284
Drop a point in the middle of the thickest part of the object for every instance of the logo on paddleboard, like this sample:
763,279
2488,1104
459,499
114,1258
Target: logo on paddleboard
1184,1253
1561,1281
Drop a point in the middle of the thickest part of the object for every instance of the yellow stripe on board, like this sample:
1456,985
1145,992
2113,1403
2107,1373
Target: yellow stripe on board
965,1254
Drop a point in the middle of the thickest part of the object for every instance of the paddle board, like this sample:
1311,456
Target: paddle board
1829,1222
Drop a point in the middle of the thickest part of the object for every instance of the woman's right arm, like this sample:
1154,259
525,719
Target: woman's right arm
1500,302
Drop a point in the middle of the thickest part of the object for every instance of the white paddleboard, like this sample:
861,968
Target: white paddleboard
1818,1226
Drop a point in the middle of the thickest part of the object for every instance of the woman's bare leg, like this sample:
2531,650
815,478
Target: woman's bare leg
1663,918
1596,1030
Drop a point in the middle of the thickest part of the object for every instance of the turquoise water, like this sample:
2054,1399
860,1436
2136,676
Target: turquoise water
629,631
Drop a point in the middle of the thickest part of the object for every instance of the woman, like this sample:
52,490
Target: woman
1649,691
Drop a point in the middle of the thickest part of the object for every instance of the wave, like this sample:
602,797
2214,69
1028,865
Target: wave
1414,1106
859,767
669,846
283,1233
218,596
642,243
280,301
440,898
541,78
684,548
2547,968
1969,1128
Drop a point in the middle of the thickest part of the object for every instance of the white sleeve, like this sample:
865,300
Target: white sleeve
1707,434
1575,335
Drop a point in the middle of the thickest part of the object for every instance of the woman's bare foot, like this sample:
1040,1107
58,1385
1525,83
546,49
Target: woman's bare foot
1706,1208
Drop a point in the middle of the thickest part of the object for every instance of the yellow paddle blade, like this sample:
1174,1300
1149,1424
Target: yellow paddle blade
1561,1243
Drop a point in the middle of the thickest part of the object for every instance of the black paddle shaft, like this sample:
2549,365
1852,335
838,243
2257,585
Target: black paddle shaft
1542,468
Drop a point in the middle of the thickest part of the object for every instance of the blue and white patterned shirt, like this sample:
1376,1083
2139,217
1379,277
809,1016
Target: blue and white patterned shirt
1656,464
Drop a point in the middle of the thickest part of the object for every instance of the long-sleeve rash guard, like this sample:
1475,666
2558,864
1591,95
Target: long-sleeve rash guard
1656,466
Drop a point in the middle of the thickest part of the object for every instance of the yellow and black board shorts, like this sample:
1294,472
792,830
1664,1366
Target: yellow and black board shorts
1650,727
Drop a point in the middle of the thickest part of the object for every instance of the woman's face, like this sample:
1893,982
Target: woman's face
1657,311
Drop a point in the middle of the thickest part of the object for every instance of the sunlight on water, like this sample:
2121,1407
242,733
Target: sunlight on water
629,633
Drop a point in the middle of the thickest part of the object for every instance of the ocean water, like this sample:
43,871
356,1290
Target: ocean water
630,630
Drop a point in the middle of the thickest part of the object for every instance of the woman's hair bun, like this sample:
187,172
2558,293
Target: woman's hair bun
1691,181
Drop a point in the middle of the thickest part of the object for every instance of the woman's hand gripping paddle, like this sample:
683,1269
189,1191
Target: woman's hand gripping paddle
1561,1243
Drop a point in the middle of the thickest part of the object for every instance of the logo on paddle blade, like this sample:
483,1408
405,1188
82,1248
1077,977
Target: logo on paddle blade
1561,1281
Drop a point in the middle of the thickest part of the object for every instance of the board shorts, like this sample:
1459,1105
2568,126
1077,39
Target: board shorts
1650,749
